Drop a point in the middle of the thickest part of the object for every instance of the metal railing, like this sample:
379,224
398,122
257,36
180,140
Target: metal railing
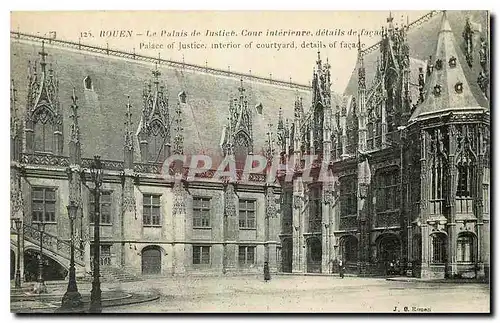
52,243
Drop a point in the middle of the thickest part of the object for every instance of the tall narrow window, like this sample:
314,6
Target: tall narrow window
43,204
43,131
247,214
315,210
466,179
387,191
151,210
201,212
105,207
286,221
370,136
156,143
348,202
465,250
438,248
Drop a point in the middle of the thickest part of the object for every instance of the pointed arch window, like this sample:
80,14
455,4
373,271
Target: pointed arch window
465,247
465,178
241,149
438,248
315,209
156,142
438,173
43,131
370,136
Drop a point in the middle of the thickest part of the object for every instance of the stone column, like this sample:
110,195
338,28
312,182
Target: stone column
231,229
179,226
297,225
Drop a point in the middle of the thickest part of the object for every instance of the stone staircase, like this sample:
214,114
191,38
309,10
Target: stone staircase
110,274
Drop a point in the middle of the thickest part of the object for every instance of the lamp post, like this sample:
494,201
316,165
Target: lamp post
72,297
95,294
18,224
40,287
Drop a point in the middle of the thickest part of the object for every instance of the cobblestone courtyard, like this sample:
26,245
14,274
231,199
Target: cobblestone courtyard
306,294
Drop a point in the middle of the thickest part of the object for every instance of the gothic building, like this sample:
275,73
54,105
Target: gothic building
406,147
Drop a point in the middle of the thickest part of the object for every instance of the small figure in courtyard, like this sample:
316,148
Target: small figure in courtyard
267,274
341,268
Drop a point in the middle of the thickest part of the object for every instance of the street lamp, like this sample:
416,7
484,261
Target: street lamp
40,287
72,297
95,294
18,224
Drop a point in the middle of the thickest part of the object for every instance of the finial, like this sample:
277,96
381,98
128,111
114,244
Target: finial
43,54
74,98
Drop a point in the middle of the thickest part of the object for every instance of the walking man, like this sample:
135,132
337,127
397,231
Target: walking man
341,268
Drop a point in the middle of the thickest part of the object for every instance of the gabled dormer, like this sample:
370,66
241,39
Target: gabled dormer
43,120
237,138
154,127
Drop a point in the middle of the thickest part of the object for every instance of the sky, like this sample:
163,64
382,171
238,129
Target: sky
283,64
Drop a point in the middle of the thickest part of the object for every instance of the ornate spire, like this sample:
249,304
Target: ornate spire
321,83
178,146
269,150
129,137
75,129
483,78
299,108
467,35
361,68
14,126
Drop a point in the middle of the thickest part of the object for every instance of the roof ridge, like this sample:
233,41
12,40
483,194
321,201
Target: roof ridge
414,23
171,63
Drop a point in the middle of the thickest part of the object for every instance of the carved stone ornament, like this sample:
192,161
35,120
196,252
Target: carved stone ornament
229,201
129,197
363,190
270,203
297,201
437,90
179,206
439,64
16,194
452,62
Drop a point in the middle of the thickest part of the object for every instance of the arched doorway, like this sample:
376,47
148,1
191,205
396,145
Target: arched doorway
349,249
314,255
151,260
349,252
287,255
12,264
388,252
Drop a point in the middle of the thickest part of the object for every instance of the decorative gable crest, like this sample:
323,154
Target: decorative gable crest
43,107
238,137
154,128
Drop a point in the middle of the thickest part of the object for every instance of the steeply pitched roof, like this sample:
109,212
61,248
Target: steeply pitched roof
102,110
422,38
447,88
